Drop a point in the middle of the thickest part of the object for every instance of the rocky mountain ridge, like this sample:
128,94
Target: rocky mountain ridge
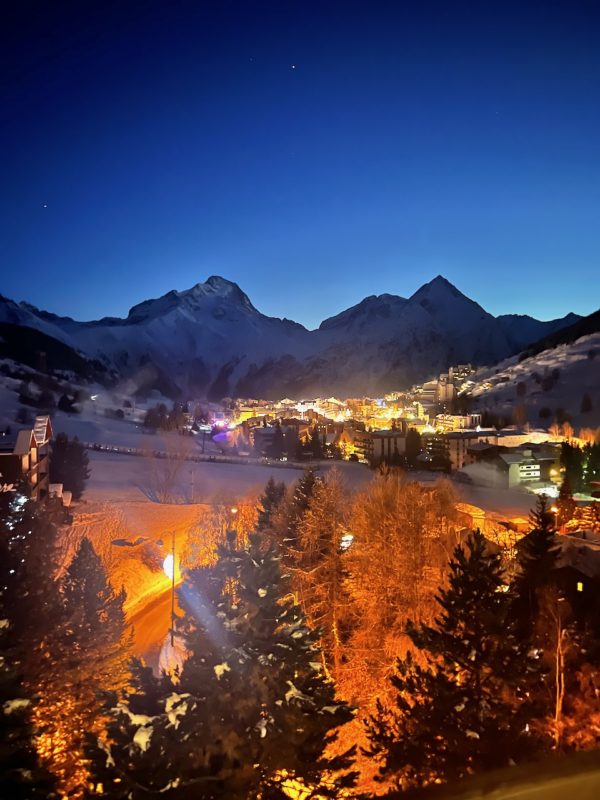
211,341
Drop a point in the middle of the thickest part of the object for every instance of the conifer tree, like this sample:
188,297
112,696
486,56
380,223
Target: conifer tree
461,712
302,493
269,501
22,777
536,560
251,707
565,503
69,464
86,655
130,761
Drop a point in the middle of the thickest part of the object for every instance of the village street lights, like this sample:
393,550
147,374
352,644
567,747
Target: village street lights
169,570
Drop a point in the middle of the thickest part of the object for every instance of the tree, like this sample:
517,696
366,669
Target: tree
251,707
22,776
289,513
212,526
413,446
565,503
586,404
46,400
462,711
317,565
69,464
536,560
572,459
127,763
65,403
85,655
23,416
270,499
403,536
152,418
519,415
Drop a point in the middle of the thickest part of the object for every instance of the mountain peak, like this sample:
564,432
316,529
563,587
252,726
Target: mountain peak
440,283
221,284
216,285
439,290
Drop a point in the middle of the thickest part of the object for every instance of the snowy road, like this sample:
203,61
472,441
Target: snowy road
150,627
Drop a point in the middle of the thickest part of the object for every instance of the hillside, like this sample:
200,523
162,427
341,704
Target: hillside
548,386
35,349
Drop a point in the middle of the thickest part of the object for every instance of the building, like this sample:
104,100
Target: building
372,446
455,446
26,456
457,422
509,468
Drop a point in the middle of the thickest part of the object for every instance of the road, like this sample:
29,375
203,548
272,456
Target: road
102,447
150,627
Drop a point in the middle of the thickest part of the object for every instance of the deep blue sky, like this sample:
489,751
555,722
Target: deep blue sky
315,152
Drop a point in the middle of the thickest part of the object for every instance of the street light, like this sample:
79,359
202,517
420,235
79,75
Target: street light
169,566
169,570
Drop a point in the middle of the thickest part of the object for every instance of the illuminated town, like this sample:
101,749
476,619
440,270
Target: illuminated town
300,400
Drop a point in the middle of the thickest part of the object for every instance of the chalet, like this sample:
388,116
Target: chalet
26,455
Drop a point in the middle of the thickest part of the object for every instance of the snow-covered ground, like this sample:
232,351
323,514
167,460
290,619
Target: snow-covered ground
126,478
495,388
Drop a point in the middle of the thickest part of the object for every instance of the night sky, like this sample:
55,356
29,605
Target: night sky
314,152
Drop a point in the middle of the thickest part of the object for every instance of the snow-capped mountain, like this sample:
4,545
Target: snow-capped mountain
211,340
547,386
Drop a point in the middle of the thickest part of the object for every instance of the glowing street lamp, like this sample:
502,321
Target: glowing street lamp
169,570
169,566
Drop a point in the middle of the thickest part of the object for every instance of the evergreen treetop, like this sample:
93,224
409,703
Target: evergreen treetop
537,555
251,706
464,710
22,776
269,501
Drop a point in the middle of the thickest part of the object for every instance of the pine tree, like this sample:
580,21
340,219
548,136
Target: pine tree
269,501
22,777
81,654
572,459
69,464
537,554
302,493
251,707
565,503
32,590
462,712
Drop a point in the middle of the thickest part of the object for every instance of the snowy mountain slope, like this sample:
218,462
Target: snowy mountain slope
549,386
211,340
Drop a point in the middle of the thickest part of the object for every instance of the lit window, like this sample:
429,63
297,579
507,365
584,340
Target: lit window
579,586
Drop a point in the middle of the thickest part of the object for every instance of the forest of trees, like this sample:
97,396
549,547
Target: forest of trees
336,644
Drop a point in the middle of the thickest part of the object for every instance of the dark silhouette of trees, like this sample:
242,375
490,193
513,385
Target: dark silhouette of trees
69,464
